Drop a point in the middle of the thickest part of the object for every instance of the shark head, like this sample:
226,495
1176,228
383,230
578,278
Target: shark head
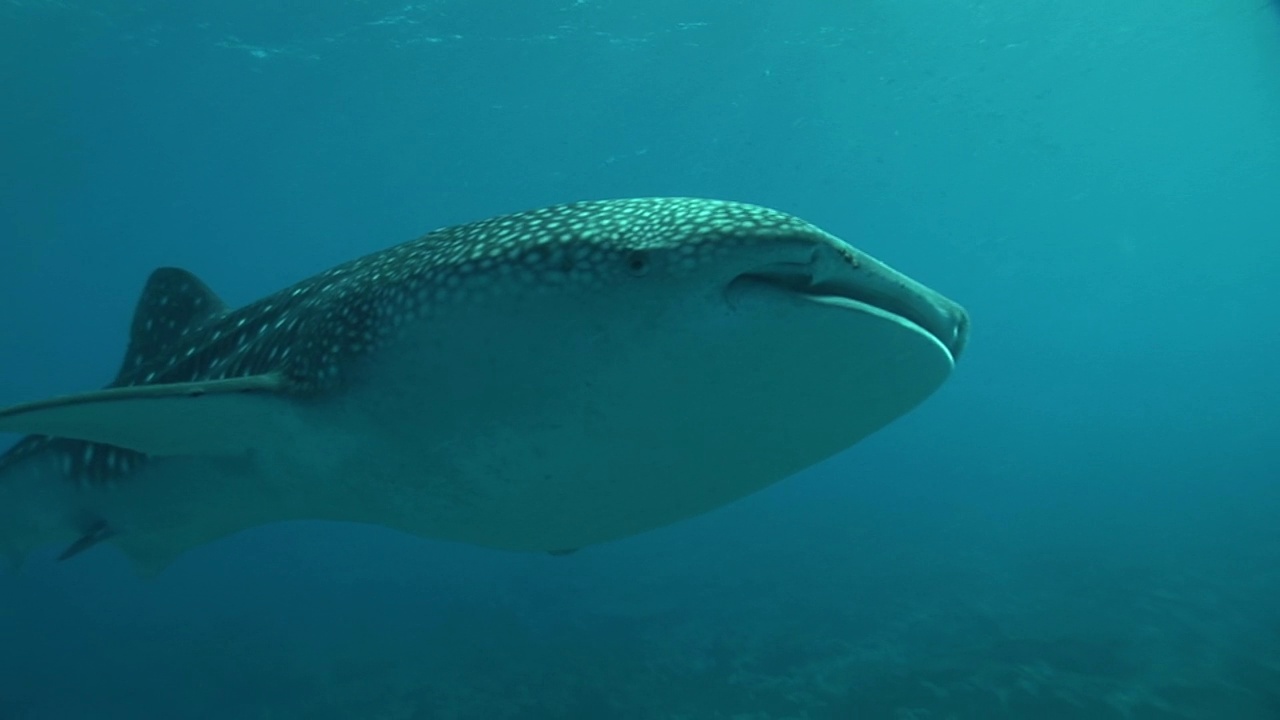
654,254
538,381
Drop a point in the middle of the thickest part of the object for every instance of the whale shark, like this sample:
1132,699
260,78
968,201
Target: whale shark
539,381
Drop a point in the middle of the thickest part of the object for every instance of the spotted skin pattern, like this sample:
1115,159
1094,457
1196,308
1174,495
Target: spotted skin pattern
310,332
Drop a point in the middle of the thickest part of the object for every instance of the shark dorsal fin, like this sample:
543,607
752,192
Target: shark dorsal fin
173,301
152,415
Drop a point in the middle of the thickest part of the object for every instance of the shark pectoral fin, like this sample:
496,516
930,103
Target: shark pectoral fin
218,417
94,534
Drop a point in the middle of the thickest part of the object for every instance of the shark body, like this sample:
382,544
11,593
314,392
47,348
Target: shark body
538,381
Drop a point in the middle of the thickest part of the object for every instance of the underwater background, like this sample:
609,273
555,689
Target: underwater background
1083,523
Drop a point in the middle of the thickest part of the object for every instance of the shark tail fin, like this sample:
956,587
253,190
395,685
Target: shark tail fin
68,438
35,508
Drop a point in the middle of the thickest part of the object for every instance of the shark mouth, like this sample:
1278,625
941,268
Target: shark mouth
880,295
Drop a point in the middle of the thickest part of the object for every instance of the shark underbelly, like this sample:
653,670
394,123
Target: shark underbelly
571,432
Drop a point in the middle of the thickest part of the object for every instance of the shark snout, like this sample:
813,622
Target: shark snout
861,277
833,270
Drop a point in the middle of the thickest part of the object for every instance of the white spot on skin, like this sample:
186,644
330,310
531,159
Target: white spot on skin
346,308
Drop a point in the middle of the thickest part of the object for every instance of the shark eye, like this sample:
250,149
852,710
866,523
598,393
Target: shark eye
638,262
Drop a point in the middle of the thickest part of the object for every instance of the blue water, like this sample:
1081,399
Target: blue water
1081,524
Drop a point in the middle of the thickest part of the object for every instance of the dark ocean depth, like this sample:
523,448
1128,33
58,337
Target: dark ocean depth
1084,522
